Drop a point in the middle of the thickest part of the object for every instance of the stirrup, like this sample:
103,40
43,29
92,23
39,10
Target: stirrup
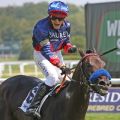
36,114
33,112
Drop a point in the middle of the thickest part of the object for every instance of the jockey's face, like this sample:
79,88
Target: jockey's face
56,22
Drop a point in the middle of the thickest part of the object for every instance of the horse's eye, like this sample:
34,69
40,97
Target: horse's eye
89,65
103,63
92,63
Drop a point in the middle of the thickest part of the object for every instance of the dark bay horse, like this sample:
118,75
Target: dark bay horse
70,104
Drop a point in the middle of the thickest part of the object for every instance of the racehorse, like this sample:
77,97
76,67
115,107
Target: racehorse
71,103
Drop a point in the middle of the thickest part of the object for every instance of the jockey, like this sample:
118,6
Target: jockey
50,35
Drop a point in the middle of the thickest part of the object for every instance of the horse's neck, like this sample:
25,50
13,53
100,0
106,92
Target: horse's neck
78,74
78,85
77,96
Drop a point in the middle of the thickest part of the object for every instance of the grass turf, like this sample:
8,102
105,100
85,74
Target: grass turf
103,116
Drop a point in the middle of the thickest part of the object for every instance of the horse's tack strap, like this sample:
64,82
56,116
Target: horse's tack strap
62,84
98,73
87,55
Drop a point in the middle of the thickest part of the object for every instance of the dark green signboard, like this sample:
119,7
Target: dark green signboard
109,35
103,32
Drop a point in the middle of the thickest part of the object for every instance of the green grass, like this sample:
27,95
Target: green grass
103,116
29,70
71,56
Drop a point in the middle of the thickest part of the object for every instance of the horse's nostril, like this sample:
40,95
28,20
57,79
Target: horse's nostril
102,82
109,83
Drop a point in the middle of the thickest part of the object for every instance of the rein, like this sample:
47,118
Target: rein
83,71
88,77
62,84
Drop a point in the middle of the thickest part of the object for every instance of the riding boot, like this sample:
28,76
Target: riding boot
42,90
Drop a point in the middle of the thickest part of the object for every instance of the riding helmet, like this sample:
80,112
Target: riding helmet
58,9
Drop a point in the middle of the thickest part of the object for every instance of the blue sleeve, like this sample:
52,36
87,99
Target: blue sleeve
41,38
68,28
46,52
40,34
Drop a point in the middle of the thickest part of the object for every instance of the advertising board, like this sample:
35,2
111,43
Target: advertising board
108,103
103,32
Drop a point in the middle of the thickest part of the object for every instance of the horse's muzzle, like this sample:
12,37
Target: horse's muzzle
102,86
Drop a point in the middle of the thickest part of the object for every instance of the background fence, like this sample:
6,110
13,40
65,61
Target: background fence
8,69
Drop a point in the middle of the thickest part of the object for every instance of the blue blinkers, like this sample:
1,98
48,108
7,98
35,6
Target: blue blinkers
98,73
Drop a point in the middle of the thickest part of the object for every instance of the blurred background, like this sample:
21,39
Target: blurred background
17,19
16,22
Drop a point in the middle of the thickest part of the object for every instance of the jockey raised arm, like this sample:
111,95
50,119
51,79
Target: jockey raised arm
50,36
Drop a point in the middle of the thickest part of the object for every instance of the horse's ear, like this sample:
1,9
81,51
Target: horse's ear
94,50
81,52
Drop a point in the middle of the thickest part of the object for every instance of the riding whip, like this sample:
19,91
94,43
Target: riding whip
108,51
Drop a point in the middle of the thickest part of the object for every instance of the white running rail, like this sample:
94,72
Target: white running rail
21,69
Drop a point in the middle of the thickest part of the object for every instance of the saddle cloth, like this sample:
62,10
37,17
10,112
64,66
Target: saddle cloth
32,93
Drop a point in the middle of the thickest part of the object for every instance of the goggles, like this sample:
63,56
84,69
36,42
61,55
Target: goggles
57,18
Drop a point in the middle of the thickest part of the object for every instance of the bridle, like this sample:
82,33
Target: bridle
82,70
98,88
81,64
87,75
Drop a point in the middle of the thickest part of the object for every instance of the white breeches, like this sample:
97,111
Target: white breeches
51,73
